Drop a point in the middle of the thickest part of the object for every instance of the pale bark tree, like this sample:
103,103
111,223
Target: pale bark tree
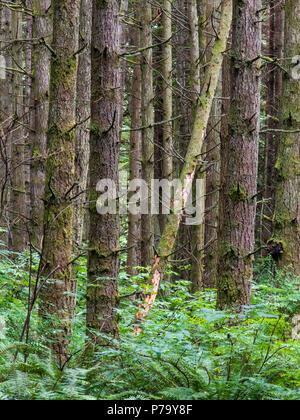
58,295
239,161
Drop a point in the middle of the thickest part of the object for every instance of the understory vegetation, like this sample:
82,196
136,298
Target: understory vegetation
187,351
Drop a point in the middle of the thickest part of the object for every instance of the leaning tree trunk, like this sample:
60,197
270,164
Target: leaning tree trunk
58,294
285,244
39,117
239,162
82,116
195,147
106,113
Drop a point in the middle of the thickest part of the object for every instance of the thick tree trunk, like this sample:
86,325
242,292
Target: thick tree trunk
147,244
239,162
39,117
82,116
191,161
285,244
58,296
103,258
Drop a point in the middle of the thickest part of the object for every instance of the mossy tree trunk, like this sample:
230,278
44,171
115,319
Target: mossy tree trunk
58,294
286,219
106,113
239,161
39,117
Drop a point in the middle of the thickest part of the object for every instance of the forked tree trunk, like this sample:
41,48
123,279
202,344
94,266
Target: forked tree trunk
58,296
239,162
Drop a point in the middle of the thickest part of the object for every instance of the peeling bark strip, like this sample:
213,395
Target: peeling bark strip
191,161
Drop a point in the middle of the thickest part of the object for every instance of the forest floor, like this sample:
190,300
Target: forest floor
190,350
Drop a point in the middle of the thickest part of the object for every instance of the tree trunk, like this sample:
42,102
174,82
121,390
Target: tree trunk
17,242
82,116
39,117
239,162
285,244
134,220
103,258
274,94
147,244
58,296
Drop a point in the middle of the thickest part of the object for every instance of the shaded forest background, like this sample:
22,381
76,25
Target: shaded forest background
93,305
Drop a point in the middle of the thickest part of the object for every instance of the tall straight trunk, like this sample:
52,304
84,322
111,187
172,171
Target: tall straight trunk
18,230
134,220
213,164
39,117
188,172
82,116
198,230
58,294
167,66
239,162
285,244
106,113
147,244
274,94
5,116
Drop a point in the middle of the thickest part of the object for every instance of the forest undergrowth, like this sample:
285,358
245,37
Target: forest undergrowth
188,350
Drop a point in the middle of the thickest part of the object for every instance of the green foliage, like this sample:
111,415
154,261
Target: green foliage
187,351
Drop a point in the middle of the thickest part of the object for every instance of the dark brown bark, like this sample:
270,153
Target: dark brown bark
103,258
239,161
